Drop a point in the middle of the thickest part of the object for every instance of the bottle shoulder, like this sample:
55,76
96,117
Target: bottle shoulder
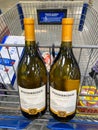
31,72
65,65
65,58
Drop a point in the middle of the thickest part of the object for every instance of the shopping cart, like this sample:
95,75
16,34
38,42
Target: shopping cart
48,37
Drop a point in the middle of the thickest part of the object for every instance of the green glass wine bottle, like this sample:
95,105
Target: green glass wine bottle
64,77
32,76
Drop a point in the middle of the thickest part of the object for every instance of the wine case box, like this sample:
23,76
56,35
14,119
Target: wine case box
9,59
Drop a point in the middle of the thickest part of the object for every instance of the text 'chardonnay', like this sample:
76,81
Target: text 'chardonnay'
64,77
31,76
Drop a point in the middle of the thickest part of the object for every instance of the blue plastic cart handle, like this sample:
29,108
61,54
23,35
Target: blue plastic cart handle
83,16
21,15
13,122
72,125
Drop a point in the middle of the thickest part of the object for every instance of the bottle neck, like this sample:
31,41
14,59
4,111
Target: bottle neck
30,44
29,34
66,35
66,48
30,48
66,44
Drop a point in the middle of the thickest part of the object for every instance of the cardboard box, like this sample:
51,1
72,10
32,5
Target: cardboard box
9,58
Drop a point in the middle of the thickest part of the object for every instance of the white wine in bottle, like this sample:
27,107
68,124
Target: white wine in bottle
64,77
31,76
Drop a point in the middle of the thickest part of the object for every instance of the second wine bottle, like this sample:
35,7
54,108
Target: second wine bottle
64,77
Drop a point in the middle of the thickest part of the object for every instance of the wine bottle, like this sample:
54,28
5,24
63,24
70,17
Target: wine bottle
64,77
31,76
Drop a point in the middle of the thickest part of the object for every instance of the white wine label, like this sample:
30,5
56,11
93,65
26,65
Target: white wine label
32,100
62,103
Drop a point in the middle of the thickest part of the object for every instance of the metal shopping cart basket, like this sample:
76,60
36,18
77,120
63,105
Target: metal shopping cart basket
48,36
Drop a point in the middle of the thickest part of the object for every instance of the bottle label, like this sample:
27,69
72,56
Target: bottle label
32,100
62,103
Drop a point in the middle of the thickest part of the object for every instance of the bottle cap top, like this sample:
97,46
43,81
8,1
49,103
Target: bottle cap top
67,21
28,21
